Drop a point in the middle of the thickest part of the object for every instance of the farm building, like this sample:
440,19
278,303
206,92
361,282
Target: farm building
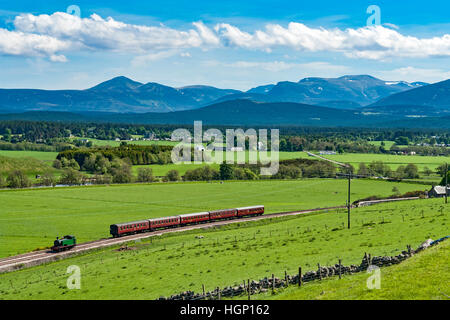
438,191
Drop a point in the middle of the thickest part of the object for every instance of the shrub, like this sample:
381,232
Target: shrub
172,175
18,179
145,175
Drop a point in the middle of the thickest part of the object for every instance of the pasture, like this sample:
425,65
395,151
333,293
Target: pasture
230,254
30,219
423,277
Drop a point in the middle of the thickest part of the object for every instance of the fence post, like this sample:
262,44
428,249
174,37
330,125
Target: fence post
320,271
340,268
218,293
273,283
203,288
248,286
299,276
286,278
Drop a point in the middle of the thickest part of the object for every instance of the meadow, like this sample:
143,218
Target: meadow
228,255
32,218
423,277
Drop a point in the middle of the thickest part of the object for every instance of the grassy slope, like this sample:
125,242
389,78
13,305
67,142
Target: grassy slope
228,255
33,218
423,277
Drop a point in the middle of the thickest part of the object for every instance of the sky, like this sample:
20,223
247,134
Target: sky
75,44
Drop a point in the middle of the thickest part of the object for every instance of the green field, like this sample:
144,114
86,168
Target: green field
394,161
33,218
227,255
43,156
387,144
425,276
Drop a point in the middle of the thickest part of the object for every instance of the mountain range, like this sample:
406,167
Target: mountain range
124,95
358,101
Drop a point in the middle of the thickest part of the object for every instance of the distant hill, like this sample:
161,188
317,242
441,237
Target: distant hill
249,113
346,92
435,95
119,94
123,95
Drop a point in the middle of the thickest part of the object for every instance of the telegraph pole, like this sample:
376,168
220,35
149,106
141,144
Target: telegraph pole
446,182
349,203
349,175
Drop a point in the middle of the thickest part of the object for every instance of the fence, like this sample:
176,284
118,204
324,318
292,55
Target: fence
251,287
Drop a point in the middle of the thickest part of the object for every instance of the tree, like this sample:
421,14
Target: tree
226,171
363,170
145,175
411,171
121,171
427,171
2,180
18,179
71,177
441,169
172,175
48,179
57,164
402,141
395,190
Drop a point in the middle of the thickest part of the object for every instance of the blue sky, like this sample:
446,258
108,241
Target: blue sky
228,44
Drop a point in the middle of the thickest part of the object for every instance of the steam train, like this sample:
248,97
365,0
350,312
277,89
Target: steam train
149,225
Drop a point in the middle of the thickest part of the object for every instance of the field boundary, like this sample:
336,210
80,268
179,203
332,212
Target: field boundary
252,287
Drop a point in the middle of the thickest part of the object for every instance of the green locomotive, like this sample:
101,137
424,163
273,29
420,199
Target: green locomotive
65,243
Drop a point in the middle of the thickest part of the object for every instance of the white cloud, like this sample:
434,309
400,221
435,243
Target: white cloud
20,43
374,42
56,34
412,74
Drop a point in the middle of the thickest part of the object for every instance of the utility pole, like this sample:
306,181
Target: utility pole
344,165
446,182
349,203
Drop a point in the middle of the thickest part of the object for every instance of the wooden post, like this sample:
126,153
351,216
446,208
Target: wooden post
299,276
203,288
340,268
218,293
349,203
248,286
273,283
320,271
286,278
446,182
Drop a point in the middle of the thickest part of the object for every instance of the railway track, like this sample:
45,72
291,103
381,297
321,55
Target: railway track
43,256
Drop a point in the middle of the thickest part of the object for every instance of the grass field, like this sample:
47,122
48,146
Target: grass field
29,165
387,144
33,218
228,255
425,276
394,161
43,156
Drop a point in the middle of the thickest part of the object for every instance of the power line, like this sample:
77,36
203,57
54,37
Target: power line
349,175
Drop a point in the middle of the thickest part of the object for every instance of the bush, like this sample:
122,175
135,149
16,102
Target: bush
145,175
205,173
48,179
172,175
18,179
71,177
121,171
